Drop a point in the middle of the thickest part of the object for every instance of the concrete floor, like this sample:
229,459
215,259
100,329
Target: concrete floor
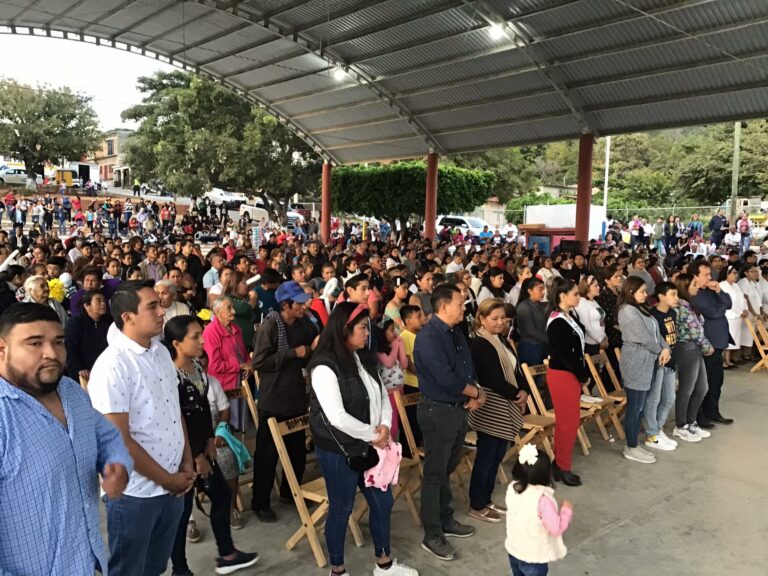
698,511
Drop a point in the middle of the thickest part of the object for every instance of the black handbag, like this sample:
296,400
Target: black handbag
367,459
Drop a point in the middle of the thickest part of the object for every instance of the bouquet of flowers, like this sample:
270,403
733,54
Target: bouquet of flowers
204,314
56,288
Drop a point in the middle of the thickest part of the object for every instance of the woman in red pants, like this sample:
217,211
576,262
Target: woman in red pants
565,375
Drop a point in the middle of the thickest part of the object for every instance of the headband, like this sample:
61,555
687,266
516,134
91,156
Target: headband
356,312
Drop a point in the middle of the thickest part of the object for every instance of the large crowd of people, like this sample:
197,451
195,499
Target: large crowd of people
158,330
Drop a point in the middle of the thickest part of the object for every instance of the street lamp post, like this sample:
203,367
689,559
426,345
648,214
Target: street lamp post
735,171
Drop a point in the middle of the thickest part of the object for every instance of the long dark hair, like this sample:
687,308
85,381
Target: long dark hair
176,330
627,294
492,273
333,340
528,284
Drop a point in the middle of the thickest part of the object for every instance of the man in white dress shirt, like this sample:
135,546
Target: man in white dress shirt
134,384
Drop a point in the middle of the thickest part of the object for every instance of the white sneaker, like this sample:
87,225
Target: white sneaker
700,432
684,433
396,569
639,455
658,443
667,438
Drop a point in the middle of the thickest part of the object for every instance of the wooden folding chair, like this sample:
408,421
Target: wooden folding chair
314,491
536,430
587,413
761,345
614,403
84,383
417,453
411,470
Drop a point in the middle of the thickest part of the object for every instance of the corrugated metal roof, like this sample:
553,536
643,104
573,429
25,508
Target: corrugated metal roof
424,74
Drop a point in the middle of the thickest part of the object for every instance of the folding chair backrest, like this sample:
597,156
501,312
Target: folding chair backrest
531,374
280,429
609,368
401,401
753,331
763,333
84,383
250,400
592,363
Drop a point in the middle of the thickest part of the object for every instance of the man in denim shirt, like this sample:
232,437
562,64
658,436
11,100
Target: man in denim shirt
52,445
449,388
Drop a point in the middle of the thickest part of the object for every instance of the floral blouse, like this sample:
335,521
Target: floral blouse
690,327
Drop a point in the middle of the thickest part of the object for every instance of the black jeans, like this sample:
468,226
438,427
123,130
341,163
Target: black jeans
265,459
221,497
490,453
715,377
444,428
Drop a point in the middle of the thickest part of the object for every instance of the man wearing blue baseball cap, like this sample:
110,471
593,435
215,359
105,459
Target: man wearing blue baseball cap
281,350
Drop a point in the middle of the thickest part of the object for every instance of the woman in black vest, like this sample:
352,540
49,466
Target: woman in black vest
349,416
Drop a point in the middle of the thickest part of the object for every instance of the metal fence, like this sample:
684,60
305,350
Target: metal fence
624,214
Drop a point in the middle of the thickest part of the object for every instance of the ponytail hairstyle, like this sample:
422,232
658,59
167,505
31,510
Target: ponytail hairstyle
559,287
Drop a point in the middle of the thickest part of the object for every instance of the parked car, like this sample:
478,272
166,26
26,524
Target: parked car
463,223
305,212
17,176
255,210
231,200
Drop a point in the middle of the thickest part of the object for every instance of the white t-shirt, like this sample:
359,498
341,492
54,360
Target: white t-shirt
216,397
128,378
453,267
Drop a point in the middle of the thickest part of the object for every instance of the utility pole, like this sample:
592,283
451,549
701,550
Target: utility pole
735,171
607,169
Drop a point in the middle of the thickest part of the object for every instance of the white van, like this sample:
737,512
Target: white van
463,223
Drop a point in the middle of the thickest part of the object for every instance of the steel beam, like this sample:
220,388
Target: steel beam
350,37
108,14
13,19
147,18
170,31
210,38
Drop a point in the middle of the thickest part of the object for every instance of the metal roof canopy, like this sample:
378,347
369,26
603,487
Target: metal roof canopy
367,80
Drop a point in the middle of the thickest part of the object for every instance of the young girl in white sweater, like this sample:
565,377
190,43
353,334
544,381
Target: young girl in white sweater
534,523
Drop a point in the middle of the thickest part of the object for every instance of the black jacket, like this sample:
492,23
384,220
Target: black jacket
282,388
85,340
356,403
566,351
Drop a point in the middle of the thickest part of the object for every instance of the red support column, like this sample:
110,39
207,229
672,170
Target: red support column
584,189
325,207
430,204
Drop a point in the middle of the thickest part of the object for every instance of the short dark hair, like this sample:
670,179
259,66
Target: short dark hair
356,280
87,298
696,265
443,294
408,310
126,299
25,313
664,287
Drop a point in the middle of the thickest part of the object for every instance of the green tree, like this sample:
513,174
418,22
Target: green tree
515,169
397,191
39,125
195,134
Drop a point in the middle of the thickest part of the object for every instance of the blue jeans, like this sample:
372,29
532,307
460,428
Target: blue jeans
141,533
490,452
340,483
520,568
660,399
635,405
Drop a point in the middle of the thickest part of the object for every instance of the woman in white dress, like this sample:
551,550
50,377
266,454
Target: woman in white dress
735,316
754,300
592,316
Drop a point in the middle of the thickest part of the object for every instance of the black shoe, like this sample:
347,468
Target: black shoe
705,422
720,419
267,515
458,530
560,475
240,561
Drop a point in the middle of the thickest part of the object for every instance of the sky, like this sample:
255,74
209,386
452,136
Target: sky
106,74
